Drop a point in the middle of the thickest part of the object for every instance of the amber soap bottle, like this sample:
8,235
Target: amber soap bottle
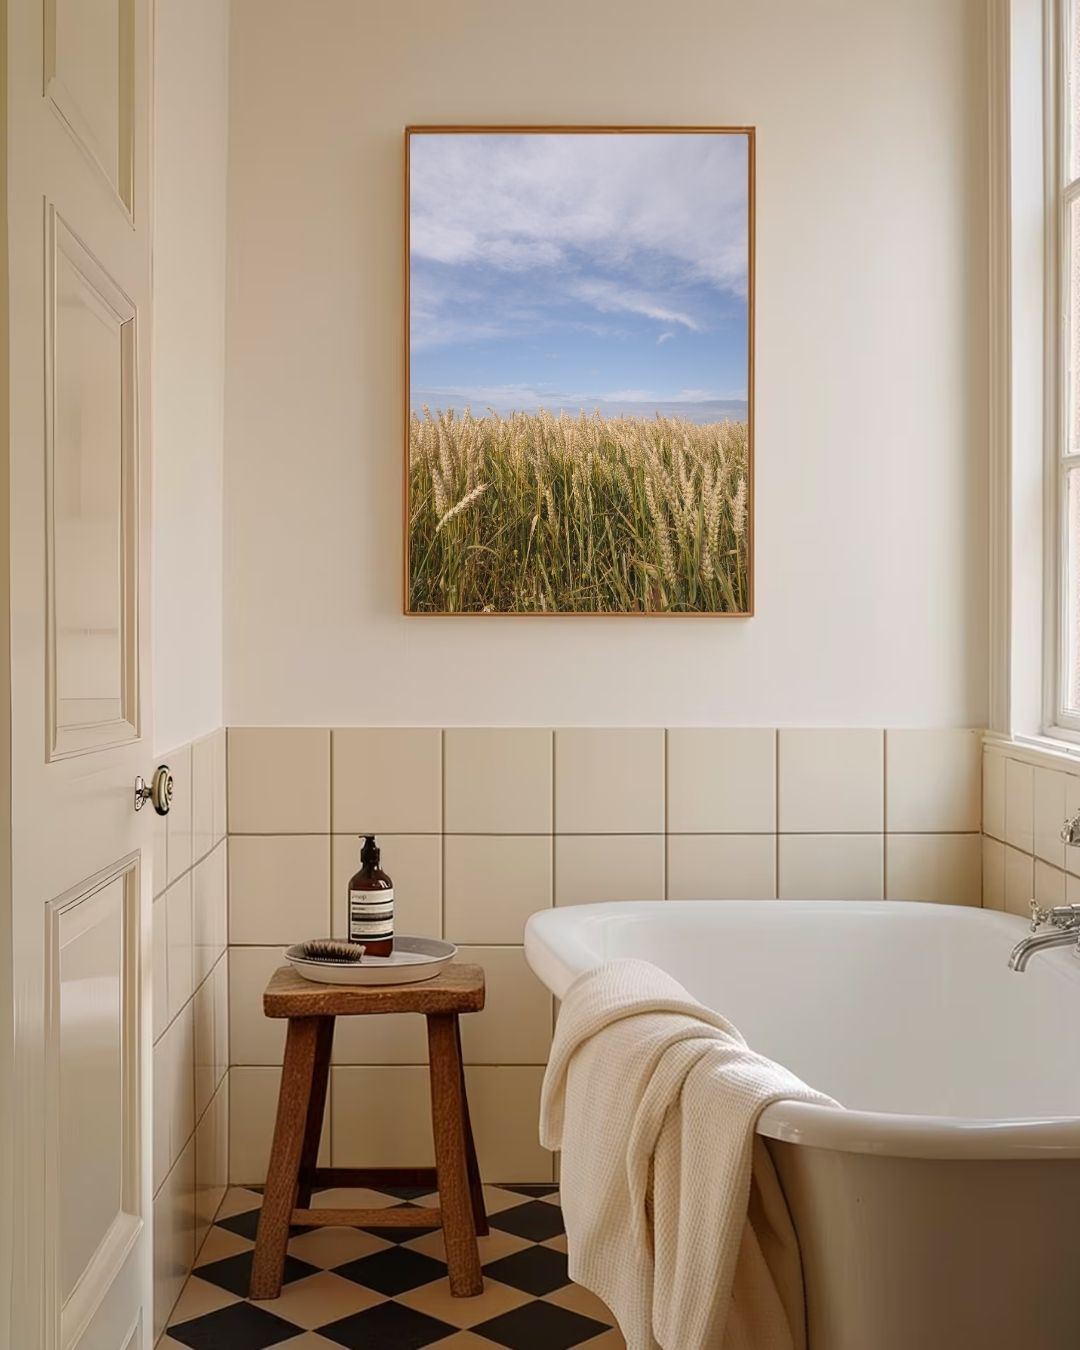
371,903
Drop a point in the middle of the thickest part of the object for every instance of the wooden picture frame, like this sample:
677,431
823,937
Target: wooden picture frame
642,582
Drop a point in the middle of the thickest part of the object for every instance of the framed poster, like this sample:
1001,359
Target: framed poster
579,370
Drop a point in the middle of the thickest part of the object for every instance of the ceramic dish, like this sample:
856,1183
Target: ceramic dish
412,960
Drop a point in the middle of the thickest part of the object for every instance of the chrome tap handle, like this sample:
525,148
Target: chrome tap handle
1059,916
1070,831
1038,916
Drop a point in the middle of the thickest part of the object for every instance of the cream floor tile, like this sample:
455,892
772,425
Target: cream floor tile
495,1199
492,1248
320,1299
220,1243
461,1340
607,1340
358,1197
330,1247
436,1300
238,1200
199,1297
581,1300
557,1244
311,1340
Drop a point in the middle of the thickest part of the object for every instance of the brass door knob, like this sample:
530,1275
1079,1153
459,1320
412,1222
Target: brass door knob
159,791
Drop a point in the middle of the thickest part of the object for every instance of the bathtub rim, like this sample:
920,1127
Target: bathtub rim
558,953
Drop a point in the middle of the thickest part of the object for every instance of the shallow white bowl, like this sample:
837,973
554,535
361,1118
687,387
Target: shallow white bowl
413,959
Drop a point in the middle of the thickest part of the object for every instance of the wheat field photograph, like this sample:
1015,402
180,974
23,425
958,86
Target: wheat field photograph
579,431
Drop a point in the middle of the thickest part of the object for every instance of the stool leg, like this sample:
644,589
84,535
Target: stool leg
472,1167
448,1124
309,1156
279,1194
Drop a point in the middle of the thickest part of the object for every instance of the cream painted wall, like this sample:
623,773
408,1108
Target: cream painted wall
190,149
871,431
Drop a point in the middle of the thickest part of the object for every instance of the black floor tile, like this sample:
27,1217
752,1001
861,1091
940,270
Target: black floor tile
387,1326
529,1188
534,1270
535,1220
540,1326
393,1271
246,1224
407,1192
240,1326
234,1272
397,1235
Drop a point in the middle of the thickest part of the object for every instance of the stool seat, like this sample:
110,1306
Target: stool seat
456,989
311,1010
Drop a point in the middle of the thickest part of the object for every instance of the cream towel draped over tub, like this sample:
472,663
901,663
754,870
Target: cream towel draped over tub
674,1214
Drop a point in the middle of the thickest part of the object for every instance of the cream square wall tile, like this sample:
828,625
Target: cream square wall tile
209,912
279,780
1072,806
993,794
253,1094
946,868
255,1038
590,868
721,781
830,781
933,781
203,1015
498,780
1019,805
414,864
160,844
220,784
391,1038
1049,884
160,965
1048,815
1072,889
993,873
387,780
174,1237
831,867
178,821
609,781
211,1163
202,797
381,1117
179,1067
162,1066
515,1024
504,1103
177,900
493,883
1019,881
721,867
279,888
220,980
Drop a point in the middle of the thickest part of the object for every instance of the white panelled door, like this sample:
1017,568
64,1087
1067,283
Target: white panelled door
79,313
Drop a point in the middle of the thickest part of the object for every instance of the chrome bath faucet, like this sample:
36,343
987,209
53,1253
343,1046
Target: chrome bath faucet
1064,920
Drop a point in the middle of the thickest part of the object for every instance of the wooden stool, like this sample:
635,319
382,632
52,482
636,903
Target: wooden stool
311,1010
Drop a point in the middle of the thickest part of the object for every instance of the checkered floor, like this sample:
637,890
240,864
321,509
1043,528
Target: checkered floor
386,1288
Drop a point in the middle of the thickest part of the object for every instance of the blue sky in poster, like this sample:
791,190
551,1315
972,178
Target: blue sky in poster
569,271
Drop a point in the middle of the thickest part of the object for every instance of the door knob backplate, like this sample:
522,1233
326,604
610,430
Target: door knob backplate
159,792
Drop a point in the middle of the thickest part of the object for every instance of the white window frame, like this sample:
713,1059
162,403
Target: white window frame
1060,721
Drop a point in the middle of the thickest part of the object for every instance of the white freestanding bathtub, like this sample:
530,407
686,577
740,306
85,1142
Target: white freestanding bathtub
941,1209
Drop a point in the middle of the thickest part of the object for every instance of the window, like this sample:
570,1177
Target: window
1063,161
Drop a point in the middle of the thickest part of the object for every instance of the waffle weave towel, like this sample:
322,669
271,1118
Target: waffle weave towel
674,1214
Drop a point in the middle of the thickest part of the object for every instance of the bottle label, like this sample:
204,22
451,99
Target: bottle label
371,915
